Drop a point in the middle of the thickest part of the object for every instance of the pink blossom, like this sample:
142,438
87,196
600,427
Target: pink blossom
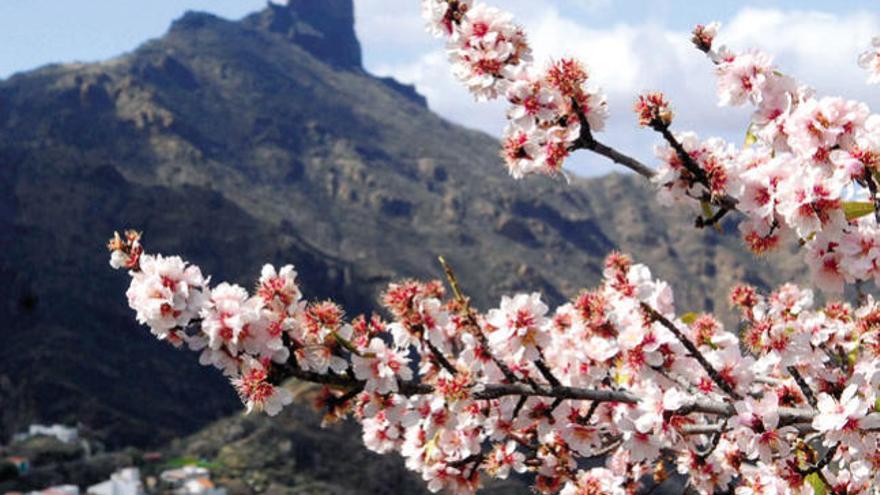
255,390
381,367
742,77
596,481
441,18
166,293
519,326
843,420
279,287
504,459
230,317
759,433
818,125
485,49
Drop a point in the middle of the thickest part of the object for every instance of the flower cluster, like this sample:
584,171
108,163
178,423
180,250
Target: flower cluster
810,169
806,157
550,109
653,110
523,388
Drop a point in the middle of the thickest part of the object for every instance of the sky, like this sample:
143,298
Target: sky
629,46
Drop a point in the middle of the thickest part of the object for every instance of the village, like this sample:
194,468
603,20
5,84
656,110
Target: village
34,458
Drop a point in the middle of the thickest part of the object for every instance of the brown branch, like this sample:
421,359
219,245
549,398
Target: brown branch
604,450
546,373
725,202
826,459
347,396
686,159
702,223
519,405
586,141
440,357
476,458
590,412
804,386
615,156
704,429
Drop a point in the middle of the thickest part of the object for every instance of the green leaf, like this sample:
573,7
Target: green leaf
853,356
816,482
689,318
750,138
857,209
708,213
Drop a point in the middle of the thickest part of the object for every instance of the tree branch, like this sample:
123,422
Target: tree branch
586,141
497,391
804,386
440,357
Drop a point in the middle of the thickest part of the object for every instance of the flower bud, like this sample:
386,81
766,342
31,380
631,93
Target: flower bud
653,110
703,36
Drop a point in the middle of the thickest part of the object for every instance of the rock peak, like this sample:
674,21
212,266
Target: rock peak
325,28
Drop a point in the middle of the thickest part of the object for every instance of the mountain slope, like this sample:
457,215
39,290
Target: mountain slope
264,140
291,454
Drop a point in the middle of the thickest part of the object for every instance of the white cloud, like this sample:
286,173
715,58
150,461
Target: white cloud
820,49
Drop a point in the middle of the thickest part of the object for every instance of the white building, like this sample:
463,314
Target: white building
179,476
58,490
62,433
200,486
191,480
126,481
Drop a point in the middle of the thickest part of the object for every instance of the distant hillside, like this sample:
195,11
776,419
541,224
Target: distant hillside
264,140
290,454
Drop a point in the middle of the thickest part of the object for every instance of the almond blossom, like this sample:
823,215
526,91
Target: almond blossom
380,367
166,293
760,434
742,76
651,387
486,48
256,391
519,327
845,420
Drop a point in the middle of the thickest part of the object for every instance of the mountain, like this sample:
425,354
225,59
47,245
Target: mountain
291,454
234,143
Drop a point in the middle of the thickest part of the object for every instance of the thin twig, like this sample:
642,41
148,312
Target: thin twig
468,314
586,141
692,349
441,358
702,223
804,386
546,373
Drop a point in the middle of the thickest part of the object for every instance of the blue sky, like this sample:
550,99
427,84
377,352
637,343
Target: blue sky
35,32
630,46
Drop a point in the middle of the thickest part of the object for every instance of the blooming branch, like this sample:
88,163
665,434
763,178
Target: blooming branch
612,373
